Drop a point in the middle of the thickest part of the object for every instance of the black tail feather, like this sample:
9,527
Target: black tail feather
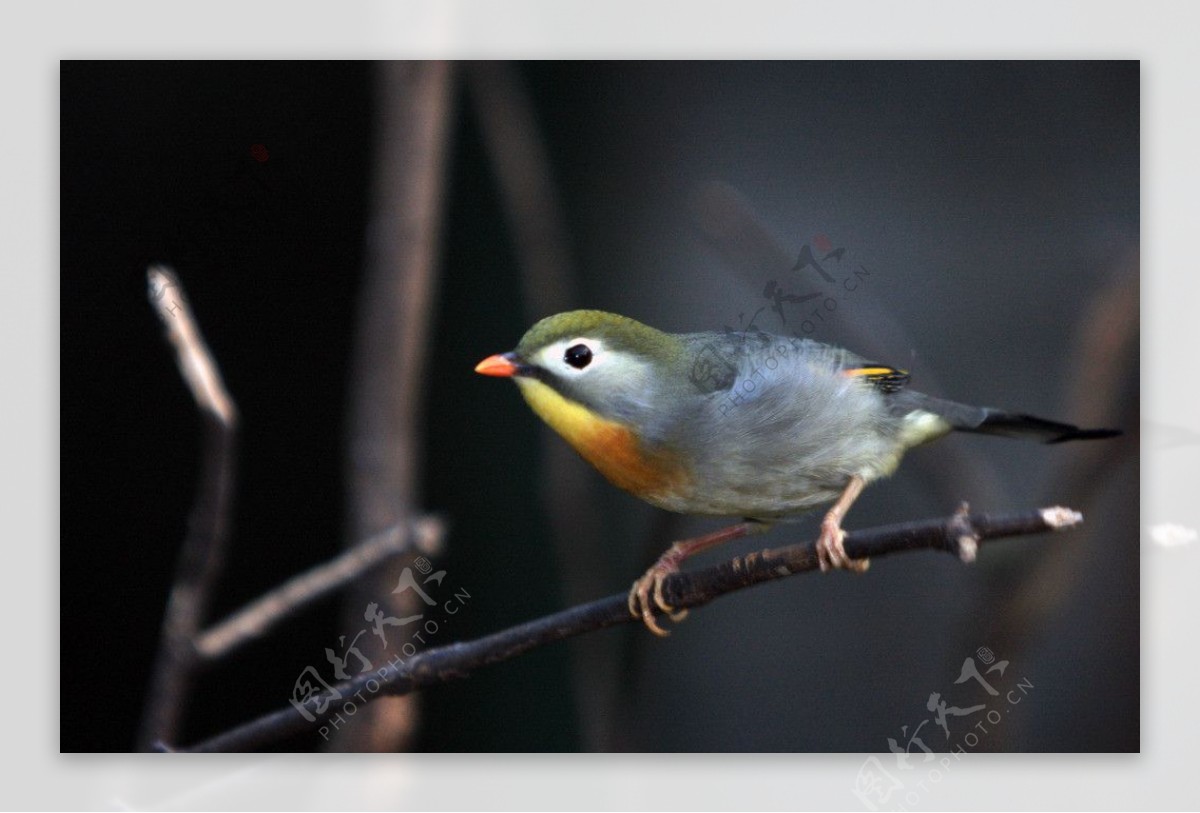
988,421
1011,424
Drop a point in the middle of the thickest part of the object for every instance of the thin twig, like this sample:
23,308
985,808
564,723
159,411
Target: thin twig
424,535
960,534
203,548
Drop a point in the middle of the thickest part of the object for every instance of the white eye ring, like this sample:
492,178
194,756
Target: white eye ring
557,356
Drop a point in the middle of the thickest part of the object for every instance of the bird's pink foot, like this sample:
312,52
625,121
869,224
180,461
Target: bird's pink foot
831,549
650,586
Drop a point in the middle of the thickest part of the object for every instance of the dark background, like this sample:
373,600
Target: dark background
991,202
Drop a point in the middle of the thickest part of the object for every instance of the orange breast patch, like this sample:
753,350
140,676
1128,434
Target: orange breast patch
618,455
609,446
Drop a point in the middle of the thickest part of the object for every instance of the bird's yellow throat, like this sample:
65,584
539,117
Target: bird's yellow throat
608,445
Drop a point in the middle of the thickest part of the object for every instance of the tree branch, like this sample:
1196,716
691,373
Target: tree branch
257,618
395,316
184,645
960,534
208,528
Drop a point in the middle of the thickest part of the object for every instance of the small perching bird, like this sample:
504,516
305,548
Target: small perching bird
747,424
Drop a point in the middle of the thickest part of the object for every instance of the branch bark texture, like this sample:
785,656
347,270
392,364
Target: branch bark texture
961,534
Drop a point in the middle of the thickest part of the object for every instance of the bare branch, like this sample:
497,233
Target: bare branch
203,548
198,367
395,314
253,621
954,534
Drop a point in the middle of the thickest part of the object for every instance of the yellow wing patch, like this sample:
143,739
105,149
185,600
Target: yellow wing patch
883,378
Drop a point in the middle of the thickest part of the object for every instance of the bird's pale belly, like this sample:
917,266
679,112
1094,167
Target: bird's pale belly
786,477
770,492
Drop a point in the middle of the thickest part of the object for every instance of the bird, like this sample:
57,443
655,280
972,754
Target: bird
737,424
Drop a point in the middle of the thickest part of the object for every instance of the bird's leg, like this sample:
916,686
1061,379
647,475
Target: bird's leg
668,563
831,552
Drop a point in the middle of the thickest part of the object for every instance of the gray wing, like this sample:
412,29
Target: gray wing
774,422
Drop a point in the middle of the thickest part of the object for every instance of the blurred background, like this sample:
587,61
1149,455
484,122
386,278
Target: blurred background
976,223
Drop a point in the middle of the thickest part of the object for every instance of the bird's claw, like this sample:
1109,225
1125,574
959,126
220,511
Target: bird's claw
650,587
831,551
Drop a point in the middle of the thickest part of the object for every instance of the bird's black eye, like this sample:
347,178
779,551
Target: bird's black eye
578,356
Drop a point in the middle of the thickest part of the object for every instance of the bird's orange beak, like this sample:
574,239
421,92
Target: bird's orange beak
500,365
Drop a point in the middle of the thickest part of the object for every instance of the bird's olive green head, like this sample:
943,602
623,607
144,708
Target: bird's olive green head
619,334
613,365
